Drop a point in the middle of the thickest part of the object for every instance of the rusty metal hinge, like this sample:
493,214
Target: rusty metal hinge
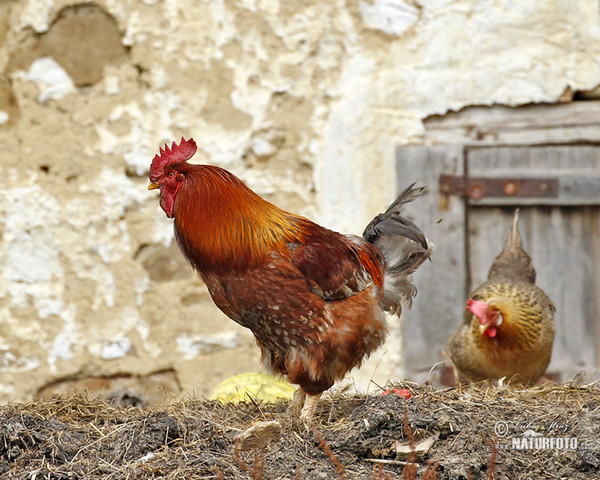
480,187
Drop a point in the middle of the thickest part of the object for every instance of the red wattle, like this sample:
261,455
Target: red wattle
491,332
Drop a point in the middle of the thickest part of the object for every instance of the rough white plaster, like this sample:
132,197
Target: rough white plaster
223,24
61,347
7,391
10,363
488,53
222,147
4,117
270,184
122,195
389,16
143,329
112,85
31,271
111,339
118,347
261,147
141,287
97,228
193,345
51,79
251,99
132,35
36,15
158,77
341,197
138,146
162,230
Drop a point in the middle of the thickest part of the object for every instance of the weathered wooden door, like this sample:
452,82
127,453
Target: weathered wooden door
467,214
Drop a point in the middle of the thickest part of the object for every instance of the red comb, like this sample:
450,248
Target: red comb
176,154
478,308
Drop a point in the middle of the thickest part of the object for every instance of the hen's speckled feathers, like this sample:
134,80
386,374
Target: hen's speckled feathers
521,347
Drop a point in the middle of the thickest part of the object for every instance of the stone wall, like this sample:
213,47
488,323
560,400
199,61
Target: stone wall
305,101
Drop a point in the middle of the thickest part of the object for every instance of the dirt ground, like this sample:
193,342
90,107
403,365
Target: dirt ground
476,432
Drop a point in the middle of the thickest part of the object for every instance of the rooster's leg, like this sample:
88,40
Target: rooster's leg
297,402
304,405
310,406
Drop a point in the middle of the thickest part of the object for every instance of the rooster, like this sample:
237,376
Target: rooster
508,326
314,299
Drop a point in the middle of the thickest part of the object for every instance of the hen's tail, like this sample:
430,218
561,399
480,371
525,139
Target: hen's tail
513,262
513,240
404,246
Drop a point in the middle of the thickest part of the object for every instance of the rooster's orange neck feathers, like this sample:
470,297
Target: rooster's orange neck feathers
220,223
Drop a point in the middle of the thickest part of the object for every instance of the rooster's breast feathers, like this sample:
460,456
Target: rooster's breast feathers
287,300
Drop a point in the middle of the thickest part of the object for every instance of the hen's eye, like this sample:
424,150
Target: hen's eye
171,173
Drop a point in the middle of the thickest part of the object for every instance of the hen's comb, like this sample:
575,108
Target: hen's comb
167,156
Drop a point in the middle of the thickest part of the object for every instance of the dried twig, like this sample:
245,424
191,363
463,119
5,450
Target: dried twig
218,473
259,467
334,460
410,469
238,458
379,474
431,471
491,466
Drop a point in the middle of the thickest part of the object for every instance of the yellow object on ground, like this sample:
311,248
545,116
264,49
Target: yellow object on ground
255,385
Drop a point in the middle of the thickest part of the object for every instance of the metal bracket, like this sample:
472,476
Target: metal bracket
477,188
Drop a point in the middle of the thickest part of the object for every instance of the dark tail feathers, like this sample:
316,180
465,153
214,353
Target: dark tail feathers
404,246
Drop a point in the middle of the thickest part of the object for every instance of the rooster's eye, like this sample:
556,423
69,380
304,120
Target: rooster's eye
171,173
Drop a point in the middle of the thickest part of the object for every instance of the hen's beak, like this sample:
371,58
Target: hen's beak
153,186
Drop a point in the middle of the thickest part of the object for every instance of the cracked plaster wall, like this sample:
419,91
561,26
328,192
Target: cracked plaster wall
305,101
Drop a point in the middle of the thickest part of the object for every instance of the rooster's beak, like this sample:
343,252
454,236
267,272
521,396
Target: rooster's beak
153,186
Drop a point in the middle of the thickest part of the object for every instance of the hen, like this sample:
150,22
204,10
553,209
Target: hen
314,299
508,326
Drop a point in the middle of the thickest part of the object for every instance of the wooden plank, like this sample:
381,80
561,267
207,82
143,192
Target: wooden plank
438,307
527,116
595,260
576,122
563,243
576,167
479,137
